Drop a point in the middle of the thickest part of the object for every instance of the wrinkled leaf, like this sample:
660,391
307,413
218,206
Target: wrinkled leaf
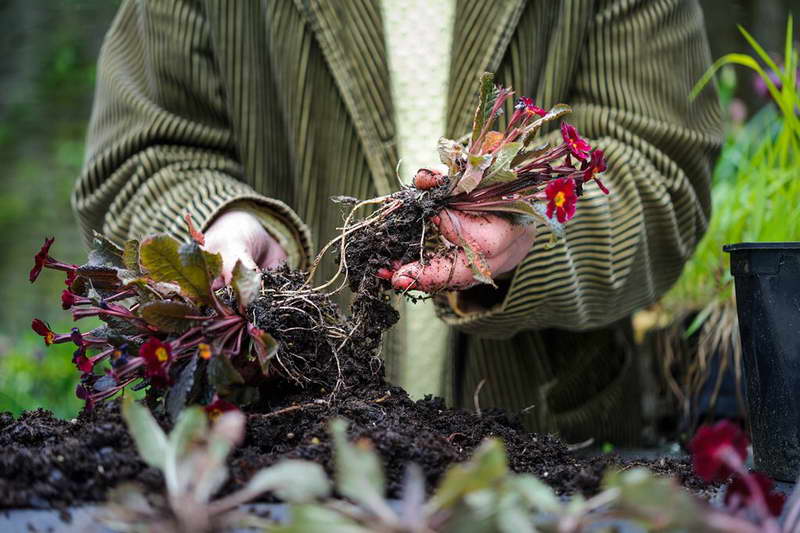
264,345
359,475
488,93
487,467
519,207
130,256
317,519
502,162
226,433
222,375
292,481
246,282
168,316
103,252
449,152
160,256
476,165
178,394
191,427
532,153
99,277
477,264
151,442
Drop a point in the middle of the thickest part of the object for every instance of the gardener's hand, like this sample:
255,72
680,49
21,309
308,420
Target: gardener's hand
503,244
238,235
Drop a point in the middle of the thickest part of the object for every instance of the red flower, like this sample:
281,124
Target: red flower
579,147
561,198
528,107
71,275
738,493
83,363
595,166
44,330
157,356
67,299
218,406
713,446
40,259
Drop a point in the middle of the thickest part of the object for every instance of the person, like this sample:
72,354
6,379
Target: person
251,115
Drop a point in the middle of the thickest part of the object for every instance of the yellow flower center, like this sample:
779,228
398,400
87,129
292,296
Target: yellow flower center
49,338
213,414
161,354
560,199
204,350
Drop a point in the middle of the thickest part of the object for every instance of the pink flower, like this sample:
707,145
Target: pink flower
529,108
218,406
561,198
713,446
738,493
157,356
40,259
579,147
593,167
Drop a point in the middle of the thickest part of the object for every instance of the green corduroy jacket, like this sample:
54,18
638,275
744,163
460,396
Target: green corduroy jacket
278,105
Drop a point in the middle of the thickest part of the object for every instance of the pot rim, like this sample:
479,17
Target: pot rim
768,246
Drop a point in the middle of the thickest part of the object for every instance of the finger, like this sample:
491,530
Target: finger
486,234
450,272
512,256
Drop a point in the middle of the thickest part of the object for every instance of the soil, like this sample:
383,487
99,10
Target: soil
327,365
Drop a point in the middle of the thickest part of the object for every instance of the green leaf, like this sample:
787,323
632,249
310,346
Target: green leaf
359,475
657,502
264,345
191,427
130,256
519,207
151,442
160,256
105,253
485,470
246,282
554,113
168,316
222,375
293,481
477,264
178,394
502,162
317,519
488,92
449,152
535,493
525,155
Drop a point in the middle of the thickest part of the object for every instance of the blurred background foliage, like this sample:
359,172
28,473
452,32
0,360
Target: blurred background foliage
47,71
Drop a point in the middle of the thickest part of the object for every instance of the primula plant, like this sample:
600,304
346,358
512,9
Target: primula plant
165,327
502,171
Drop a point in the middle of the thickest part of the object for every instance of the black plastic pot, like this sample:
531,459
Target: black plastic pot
767,279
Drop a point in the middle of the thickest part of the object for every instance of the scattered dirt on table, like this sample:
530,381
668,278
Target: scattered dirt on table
329,368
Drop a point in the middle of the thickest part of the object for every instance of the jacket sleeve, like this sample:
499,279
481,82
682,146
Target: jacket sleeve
160,143
622,251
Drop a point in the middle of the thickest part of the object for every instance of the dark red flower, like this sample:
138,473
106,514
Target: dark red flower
44,330
714,446
40,259
579,147
157,356
738,493
595,166
83,363
528,107
561,199
218,406
71,275
67,299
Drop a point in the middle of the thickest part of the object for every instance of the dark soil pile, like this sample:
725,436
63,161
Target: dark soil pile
327,366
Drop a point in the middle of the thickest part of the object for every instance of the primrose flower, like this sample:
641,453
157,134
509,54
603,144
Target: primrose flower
83,363
561,199
593,167
527,106
204,351
218,406
40,259
738,494
578,146
714,447
157,356
44,330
